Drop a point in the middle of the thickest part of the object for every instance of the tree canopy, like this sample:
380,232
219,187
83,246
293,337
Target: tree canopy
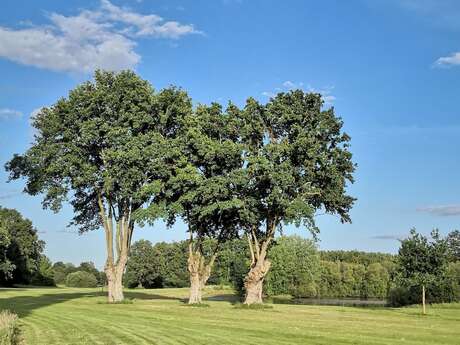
297,161
103,149
20,248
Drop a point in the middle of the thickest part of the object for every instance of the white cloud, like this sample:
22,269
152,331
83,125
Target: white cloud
8,114
268,94
447,210
292,85
104,38
325,92
146,25
451,60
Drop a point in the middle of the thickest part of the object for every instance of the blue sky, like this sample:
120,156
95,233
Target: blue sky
390,68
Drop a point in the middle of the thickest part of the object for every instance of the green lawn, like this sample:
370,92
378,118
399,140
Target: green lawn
80,316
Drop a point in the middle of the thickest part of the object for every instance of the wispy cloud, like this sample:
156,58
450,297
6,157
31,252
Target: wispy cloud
443,211
8,114
103,38
326,92
448,61
387,237
443,14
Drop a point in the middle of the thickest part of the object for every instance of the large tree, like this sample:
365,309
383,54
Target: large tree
297,161
453,242
201,188
422,261
103,148
20,248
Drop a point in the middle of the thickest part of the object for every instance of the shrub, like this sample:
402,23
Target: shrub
43,276
41,280
9,329
81,279
399,297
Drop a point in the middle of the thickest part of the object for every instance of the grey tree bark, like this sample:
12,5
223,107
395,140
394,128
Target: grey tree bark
200,271
115,267
260,265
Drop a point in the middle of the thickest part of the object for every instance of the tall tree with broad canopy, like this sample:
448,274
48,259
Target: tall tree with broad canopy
20,248
201,190
103,149
297,161
422,261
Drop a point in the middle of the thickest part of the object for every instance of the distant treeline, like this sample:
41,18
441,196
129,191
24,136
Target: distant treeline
298,268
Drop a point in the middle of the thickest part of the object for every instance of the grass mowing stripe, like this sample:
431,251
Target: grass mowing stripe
73,316
92,329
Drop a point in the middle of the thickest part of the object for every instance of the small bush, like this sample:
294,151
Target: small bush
81,279
399,297
41,280
9,329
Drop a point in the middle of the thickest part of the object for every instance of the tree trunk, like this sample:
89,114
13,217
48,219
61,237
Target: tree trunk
195,289
423,300
199,273
114,275
253,283
115,267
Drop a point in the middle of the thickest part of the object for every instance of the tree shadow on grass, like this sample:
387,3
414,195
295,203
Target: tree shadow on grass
149,296
231,298
24,305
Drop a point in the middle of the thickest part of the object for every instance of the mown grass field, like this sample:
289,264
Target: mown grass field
81,316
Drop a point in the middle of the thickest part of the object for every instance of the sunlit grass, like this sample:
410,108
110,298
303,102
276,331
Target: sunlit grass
81,316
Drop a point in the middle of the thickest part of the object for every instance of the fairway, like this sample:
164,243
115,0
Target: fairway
81,316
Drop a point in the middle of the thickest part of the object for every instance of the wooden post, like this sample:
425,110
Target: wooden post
423,300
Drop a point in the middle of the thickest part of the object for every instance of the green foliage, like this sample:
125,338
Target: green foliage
357,257
421,260
453,278
6,266
81,279
157,266
453,243
297,161
400,296
232,264
44,275
106,138
9,329
295,267
90,268
20,248
424,262
61,270
376,281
